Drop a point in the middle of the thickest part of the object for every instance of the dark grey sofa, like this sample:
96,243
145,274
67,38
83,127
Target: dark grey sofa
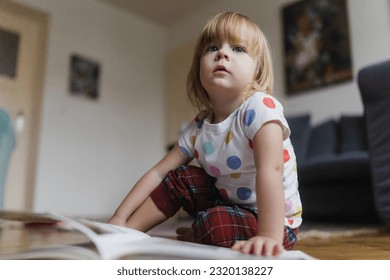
333,169
344,165
374,85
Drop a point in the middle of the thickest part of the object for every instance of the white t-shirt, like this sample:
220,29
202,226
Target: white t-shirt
225,151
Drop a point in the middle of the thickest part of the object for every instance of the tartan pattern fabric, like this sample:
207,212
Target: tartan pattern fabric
188,187
224,225
216,222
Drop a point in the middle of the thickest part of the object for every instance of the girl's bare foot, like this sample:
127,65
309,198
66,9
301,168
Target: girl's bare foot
185,234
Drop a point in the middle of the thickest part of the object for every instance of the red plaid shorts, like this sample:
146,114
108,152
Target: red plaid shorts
216,222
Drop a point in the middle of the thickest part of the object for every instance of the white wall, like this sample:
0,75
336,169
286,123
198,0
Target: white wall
91,152
370,41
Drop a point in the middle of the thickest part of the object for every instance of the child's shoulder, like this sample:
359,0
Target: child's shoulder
261,98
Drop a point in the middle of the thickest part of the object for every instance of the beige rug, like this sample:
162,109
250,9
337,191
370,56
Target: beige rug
336,231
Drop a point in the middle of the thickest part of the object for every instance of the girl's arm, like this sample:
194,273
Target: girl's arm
147,184
268,153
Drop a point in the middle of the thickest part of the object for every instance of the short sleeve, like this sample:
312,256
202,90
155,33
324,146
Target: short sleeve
259,109
188,136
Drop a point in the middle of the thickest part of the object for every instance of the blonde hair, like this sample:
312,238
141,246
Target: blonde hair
228,26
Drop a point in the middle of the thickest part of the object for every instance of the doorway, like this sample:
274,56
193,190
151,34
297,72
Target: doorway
21,88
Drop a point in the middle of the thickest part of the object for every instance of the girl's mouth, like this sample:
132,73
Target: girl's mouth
221,68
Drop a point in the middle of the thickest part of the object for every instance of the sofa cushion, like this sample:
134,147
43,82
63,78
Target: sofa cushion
353,136
300,133
323,140
332,169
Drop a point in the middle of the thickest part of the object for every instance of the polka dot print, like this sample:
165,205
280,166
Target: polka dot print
249,117
244,193
233,162
235,175
224,194
228,137
268,102
185,151
215,171
286,155
208,148
298,211
193,140
199,124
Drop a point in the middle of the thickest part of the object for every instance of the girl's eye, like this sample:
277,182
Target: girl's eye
212,49
239,49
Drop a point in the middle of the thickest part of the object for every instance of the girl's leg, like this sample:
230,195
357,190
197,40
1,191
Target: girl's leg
146,217
224,225
187,186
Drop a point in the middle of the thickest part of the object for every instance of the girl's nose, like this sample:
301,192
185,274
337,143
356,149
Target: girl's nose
222,54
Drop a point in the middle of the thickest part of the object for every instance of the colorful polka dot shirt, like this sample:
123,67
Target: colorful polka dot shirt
225,151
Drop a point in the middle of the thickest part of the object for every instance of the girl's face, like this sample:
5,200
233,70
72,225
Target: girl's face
227,68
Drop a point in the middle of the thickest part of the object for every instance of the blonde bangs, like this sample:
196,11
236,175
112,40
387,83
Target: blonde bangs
234,28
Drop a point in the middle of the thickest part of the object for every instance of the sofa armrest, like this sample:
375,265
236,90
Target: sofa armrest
374,85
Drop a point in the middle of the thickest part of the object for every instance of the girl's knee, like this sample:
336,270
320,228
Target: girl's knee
212,227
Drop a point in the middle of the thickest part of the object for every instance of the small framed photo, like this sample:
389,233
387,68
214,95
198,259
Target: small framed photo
317,50
84,77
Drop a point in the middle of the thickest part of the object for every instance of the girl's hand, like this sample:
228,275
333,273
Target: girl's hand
259,246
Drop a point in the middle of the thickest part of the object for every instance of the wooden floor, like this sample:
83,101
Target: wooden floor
370,246
319,240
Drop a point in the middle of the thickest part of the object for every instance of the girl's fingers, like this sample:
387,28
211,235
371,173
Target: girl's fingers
258,248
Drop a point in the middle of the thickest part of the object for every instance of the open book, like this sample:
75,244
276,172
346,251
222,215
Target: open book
106,241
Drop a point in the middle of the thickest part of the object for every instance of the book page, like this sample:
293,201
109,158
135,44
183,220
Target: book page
115,242
106,241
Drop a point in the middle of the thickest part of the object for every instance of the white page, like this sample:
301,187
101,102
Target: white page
114,242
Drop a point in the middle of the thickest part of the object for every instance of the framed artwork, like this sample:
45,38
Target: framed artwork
84,77
316,44
9,47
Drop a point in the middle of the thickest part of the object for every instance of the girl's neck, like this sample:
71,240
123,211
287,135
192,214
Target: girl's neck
223,109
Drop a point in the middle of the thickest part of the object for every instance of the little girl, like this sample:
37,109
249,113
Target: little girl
245,194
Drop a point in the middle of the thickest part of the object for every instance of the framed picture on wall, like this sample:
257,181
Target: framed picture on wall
9,47
316,44
84,77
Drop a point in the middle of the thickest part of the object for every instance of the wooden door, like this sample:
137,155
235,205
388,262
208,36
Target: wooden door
23,32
